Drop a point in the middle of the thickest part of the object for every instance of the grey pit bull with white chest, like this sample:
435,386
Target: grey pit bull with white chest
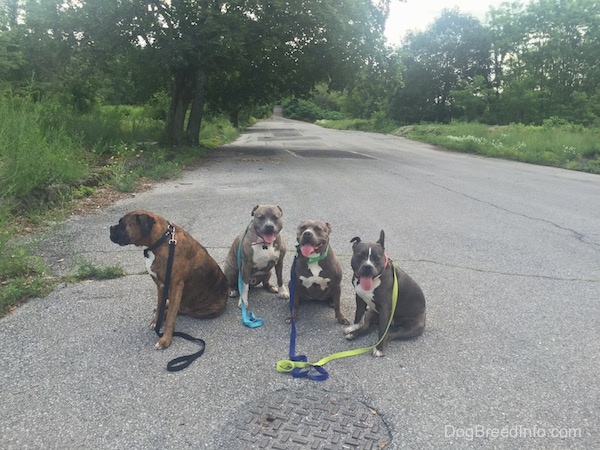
373,282
262,248
317,273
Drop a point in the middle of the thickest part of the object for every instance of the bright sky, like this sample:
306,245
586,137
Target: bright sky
417,15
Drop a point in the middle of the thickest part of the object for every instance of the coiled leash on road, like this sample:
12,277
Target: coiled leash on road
181,362
298,365
248,317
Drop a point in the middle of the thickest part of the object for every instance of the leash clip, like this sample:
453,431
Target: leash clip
171,232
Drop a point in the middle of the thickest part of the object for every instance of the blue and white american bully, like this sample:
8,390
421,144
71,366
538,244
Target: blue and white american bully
318,273
373,282
262,248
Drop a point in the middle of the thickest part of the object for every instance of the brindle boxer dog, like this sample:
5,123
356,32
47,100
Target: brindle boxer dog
198,286
262,248
318,272
373,282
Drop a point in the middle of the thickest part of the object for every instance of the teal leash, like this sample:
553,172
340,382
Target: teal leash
248,317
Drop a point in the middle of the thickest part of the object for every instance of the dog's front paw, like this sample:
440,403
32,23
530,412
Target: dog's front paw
352,328
283,293
270,288
240,303
233,293
377,353
288,320
349,336
162,343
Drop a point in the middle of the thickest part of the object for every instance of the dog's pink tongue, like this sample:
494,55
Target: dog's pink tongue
366,283
269,238
307,249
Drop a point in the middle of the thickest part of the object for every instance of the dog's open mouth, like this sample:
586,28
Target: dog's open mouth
366,283
268,238
309,249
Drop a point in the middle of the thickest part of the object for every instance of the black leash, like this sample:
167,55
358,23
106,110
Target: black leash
181,362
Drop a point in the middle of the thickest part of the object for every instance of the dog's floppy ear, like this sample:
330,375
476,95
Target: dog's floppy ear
381,239
145,222
329,227
279,208
354,241
254,209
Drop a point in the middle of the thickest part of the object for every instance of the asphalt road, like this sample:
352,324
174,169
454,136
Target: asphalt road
507,254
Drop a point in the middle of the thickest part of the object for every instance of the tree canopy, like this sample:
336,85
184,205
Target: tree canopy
230,53
528,62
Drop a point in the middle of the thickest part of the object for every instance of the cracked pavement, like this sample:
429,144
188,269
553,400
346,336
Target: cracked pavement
507,254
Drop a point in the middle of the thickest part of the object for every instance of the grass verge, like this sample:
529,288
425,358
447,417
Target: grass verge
559,145
49,158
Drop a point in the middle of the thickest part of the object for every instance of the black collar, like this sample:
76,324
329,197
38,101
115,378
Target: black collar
161,241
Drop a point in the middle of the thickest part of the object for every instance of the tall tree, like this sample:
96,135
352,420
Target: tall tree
453,51
248,50
551,53
289,47
244,51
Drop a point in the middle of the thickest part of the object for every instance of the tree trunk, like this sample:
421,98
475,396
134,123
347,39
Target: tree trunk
234,116
192,133
181,97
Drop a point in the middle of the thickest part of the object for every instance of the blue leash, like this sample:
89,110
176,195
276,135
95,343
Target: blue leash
248,317
298,372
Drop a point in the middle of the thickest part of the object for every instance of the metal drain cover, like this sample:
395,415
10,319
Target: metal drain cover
289,420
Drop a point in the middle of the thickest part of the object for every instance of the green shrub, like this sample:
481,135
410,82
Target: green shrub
21,275
35,150
300,109
216,131
107,126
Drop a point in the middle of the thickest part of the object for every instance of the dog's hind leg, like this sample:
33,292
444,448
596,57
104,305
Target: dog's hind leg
267,285
408,328
282,289
336,294
159,288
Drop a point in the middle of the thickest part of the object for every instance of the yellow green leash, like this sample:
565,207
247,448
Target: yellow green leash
299,366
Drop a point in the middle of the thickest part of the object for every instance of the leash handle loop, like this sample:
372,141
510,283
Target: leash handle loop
181,362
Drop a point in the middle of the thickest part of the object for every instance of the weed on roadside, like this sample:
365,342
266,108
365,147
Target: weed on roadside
88,271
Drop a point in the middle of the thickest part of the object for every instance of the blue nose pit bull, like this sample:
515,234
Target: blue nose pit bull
263,249
373,282
318,273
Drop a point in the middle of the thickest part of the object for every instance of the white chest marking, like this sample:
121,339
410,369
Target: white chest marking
149,261
367,296
261,257
315,269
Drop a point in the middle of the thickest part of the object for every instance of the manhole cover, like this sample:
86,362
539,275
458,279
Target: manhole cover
306,420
